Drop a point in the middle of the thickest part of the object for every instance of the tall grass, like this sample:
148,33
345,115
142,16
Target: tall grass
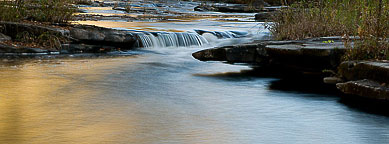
43,11
368,19
51,11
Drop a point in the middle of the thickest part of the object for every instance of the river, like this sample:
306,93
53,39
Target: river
163,95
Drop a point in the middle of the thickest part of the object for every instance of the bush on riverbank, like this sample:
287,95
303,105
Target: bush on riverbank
367,19
50,11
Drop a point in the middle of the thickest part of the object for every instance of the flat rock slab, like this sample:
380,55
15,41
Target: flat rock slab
102,36
357,70
313,54
365,88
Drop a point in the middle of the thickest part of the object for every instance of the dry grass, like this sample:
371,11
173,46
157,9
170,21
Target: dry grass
39,12
367,19
50,11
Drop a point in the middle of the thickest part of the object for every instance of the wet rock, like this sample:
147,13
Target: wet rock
226,34
332,80
357,70
7,48
238,8
98,17
205,8
365,88
121,9
247,53
214,54
4,37
308,55
263,16
13,50
30,50
81,38
85,48
103,36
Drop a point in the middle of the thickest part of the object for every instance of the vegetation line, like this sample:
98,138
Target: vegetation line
367,19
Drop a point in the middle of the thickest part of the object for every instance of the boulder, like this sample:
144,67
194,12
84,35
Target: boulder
357,70
94,35
247,53
263,16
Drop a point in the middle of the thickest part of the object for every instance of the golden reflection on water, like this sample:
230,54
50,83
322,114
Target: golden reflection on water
48,103
59,101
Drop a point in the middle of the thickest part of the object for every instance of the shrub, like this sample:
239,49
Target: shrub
367,19
51,11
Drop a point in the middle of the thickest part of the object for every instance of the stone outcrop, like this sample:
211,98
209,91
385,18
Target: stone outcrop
367,79
357,70
306,55
78,38
263,16
102,36
365,88
268,12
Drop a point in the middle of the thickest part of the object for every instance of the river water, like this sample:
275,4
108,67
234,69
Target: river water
163,95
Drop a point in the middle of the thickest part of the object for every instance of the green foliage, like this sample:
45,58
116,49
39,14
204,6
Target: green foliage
51,11
329,41
367,19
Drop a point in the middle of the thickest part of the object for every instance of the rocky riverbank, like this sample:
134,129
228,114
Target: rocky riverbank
319,56
65,40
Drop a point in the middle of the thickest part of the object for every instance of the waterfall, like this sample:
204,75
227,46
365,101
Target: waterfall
169,39
224,34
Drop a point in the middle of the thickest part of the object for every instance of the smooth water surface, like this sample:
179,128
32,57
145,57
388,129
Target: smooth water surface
163,95
166,96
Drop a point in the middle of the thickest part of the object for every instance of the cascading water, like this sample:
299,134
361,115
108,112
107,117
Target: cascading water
170,39
225,34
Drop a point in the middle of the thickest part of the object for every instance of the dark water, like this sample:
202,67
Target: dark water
166,96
